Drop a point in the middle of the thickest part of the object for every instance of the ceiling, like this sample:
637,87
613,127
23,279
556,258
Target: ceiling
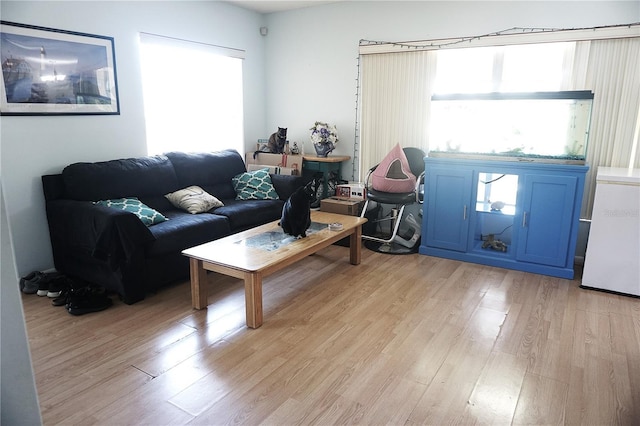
277,6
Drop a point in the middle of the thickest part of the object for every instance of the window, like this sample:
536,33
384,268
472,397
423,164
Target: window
518,68
507,100
192,96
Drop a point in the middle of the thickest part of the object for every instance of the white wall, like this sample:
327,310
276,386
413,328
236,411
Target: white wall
33,146
18,397
311,53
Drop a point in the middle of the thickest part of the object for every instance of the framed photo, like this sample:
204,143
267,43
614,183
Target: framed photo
55,72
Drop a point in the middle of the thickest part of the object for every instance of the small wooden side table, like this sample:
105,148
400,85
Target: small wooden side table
324,165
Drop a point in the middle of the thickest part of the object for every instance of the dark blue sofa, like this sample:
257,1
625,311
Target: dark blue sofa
114,249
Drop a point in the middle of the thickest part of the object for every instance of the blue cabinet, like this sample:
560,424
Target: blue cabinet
449,204
547,216
514,215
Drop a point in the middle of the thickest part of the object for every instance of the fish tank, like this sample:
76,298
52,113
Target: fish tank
536,126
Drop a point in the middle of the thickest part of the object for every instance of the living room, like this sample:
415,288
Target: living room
303,70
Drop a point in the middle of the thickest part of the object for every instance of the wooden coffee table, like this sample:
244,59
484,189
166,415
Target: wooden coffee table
254,254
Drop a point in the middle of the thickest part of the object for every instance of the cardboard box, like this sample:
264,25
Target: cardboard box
282,160
347,206
276,170
263,145
352,190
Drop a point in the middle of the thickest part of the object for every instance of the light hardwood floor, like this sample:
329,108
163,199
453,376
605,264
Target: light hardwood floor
396,340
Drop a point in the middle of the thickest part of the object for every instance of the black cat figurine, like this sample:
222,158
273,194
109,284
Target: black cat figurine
296,212
276,143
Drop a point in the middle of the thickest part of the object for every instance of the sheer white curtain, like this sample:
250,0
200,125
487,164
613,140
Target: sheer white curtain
614,77
394,103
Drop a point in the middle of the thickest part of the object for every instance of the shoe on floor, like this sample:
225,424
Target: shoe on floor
48,280
62,299
29,283
57,285
87,300
70,288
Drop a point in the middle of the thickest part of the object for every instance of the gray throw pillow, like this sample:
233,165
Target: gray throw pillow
194,200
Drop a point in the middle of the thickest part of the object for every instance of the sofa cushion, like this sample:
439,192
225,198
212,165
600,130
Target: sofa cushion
212,171
146,214
194,200
184,230
286,185
255,185
247,214
158,202
131,177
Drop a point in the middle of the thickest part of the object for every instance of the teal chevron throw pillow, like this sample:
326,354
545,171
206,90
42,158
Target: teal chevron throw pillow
147,215
255,185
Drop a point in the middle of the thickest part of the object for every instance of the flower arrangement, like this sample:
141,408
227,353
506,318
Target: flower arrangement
324,137
323,133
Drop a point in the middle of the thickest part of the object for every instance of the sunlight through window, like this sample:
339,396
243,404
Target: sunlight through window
192,97
507,100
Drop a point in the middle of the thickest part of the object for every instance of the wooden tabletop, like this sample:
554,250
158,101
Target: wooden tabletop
234,251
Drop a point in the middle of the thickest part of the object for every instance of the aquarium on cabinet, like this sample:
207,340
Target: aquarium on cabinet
538,126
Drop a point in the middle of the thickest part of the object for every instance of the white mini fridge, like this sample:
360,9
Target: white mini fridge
612,259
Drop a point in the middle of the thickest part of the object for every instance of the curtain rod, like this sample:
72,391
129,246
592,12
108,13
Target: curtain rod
515,35
191,44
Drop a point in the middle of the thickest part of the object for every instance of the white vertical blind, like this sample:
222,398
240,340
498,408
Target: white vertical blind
613,75
394,103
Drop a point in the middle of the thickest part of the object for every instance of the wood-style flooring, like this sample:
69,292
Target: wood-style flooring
395,340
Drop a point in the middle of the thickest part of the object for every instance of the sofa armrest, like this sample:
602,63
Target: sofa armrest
286,185
108,234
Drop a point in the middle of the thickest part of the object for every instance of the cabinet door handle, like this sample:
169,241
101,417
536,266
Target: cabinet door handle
524,219
464,213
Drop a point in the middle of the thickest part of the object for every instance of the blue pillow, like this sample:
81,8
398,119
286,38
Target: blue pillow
255,185
147,215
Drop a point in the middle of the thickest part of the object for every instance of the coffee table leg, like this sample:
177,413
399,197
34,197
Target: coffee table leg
253,298
355,246
198,276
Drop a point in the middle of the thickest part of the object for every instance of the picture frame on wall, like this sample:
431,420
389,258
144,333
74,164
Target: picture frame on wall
48,71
